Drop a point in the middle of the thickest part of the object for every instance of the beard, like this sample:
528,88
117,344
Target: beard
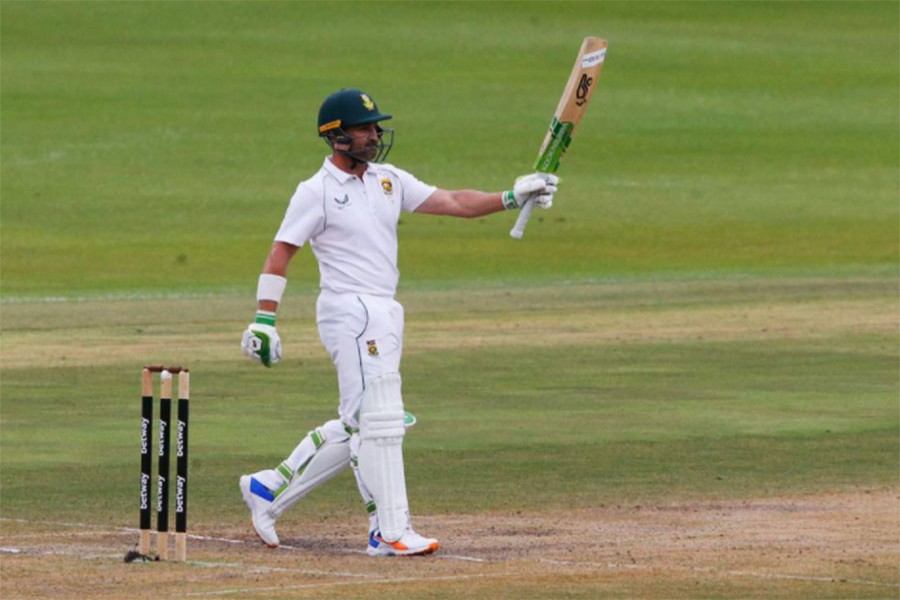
366,153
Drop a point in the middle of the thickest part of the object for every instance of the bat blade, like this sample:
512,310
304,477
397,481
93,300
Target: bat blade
571,108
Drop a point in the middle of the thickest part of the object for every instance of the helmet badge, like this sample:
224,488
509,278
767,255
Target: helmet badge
367,102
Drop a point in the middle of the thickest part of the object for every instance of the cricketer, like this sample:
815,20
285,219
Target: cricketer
348,213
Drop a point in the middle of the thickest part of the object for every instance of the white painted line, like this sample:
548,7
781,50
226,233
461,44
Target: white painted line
95,530
811,578
256,542
463,558
248,568
256,590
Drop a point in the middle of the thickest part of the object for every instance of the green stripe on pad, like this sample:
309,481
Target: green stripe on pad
285,471
317,437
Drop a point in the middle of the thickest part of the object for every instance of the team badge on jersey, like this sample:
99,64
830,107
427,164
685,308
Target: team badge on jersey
387,186
373,348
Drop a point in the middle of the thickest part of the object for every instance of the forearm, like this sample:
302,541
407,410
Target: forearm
474,203
279,258
462,203
267,305
276,264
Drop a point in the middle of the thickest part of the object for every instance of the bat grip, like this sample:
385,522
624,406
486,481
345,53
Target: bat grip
518,229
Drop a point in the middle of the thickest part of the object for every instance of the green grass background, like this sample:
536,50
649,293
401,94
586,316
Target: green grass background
153,146
148,151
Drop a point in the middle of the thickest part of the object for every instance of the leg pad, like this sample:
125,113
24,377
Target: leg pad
381,433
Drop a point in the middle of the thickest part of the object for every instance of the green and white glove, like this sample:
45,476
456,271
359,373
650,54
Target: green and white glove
261,341
536,187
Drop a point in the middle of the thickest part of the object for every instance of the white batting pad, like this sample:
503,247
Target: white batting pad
381,453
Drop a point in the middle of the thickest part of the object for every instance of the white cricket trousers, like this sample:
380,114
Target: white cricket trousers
364,336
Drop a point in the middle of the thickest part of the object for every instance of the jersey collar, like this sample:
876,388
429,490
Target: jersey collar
344,176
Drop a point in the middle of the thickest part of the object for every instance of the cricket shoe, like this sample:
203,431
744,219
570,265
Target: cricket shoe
409,544
258,498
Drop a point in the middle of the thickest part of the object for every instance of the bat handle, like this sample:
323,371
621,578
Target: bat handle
518,229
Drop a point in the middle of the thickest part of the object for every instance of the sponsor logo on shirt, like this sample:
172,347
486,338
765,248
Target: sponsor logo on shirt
342,203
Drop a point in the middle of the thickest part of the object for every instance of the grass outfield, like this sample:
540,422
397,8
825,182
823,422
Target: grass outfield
153,146
682,383
699,394
680,397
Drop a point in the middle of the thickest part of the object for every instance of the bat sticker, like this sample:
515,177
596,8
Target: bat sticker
584,86
593,58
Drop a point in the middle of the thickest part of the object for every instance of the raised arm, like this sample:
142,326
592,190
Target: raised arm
462,203
468,204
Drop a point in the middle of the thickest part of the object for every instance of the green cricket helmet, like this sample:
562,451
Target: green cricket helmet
347,108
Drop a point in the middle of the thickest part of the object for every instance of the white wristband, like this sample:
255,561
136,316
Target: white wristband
270,287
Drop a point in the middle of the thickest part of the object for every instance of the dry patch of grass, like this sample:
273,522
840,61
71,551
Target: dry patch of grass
110,332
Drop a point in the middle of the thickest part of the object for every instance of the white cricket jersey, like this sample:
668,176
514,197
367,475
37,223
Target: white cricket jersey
351,225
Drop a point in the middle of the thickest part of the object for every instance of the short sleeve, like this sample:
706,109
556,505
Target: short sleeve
304,218
415,192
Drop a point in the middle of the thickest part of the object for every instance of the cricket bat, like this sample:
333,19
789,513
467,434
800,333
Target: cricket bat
571,108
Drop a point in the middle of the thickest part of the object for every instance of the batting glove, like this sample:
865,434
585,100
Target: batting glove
261,341
536,187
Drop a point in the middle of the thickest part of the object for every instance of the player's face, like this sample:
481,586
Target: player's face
365,140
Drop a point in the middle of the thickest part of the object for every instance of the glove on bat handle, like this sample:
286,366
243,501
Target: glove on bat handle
518,229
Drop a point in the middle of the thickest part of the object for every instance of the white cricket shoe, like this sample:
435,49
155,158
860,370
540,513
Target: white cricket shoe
409,544
258,498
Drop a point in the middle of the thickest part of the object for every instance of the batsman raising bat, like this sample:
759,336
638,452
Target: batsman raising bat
348,213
